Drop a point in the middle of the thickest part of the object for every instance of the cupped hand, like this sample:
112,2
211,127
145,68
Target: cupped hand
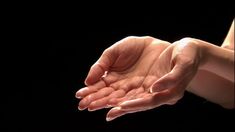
119,74
168,77
139,73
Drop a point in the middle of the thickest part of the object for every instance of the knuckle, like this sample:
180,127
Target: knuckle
106,51
190,42
148,37
130,37
187,40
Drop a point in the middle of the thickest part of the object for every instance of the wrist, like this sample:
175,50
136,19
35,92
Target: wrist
201,51
204,55
217,60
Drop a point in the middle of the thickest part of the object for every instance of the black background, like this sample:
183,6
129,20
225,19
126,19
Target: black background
54,52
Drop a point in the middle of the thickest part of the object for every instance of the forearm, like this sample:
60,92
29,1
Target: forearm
229,39
217,60
213,88
214,80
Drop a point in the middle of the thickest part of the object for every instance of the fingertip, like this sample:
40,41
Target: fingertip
151,90
95,73
108,119
114,113
165,82
80,93
157,88
85,82
81,108
89,81
77,95
83,104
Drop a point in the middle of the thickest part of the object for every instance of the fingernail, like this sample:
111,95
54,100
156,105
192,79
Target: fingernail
79,108
109,119
85,82
157,88
90,109
80,92
78,97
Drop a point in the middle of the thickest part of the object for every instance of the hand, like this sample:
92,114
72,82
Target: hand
120,74
168,77
161,82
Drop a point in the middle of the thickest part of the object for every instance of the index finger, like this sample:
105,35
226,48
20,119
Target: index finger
90,89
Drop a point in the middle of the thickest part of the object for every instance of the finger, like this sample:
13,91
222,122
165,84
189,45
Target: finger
101,66
141,95
185,58
90,89
133,94
179,75
114,113
128,84
117,94
115,97
83,104
98,104
118,112
165,82
187,48
103,102
136,104
116,101
148,102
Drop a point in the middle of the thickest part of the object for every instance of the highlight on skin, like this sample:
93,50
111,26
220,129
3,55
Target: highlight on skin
142,73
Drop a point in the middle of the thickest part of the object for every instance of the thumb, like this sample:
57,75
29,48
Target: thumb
179,74
165,82
100,67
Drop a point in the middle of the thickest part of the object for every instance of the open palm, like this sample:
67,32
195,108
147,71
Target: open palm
120,73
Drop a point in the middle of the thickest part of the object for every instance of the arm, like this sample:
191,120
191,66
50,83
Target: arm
229,40
216,81
217,60
213,88
169,71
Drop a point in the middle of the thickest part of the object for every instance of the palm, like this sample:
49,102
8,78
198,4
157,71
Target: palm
129,77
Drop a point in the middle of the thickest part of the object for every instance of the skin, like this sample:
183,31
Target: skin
209,85
124,80
141,73
229,40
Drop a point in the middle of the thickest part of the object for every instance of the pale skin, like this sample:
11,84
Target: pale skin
141,73
216,88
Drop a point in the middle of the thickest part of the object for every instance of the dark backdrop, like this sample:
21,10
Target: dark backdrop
57,51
